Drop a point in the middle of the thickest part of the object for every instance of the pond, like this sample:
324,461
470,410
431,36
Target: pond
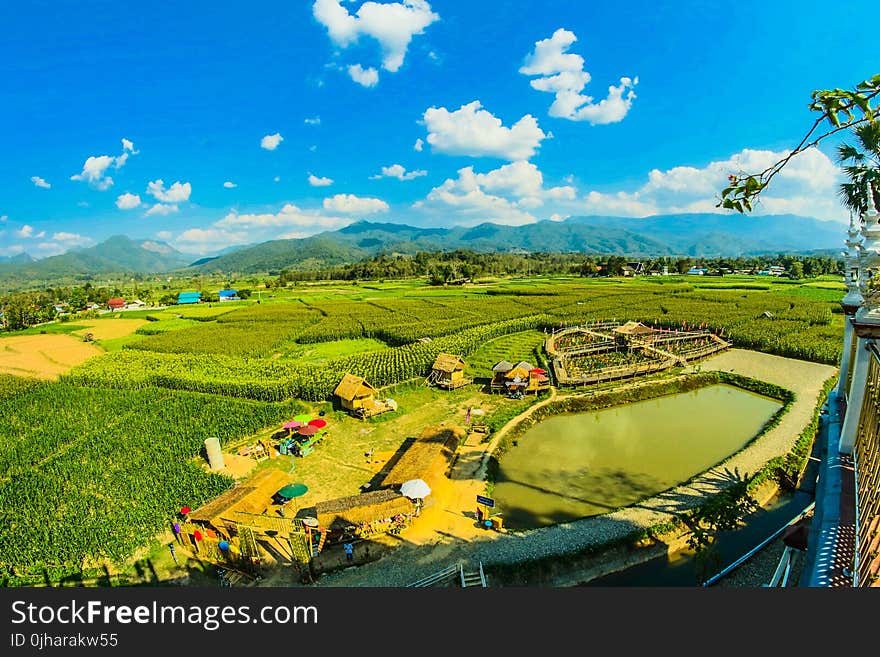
584,464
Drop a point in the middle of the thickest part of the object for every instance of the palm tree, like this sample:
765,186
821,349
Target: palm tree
862,167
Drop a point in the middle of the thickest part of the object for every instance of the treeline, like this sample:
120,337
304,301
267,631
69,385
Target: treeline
452,266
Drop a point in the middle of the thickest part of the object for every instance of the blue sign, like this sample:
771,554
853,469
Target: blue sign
486,501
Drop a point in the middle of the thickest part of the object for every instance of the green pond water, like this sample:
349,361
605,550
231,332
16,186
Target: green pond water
583,464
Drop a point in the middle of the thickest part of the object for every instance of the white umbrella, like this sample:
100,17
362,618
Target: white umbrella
414,489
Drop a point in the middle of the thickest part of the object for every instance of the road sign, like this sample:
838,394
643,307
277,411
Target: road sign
486,501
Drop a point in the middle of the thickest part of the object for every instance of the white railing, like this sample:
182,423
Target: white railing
439,576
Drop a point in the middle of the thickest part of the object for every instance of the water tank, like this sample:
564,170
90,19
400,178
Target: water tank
215,455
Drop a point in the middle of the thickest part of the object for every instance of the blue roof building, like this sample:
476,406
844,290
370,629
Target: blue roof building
228,295
188,297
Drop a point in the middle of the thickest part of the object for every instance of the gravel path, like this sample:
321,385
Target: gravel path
413,561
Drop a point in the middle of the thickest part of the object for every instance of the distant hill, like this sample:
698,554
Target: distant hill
695,235
117,254
21,258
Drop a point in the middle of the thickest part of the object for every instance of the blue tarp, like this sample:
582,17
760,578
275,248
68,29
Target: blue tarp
189,297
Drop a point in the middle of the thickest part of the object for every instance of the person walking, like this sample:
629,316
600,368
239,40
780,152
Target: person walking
349,551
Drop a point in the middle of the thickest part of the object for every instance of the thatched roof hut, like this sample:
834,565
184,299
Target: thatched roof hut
633,329
502,368
362,509
355,393
447,363
427,458
353,387
251,496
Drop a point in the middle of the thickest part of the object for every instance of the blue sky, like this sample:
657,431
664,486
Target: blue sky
215,124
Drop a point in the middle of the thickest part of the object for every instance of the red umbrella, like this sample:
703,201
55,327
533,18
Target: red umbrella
307,431
293,424
184,510
318,423
538,370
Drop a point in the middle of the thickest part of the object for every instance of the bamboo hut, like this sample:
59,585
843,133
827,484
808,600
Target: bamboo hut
252,496
633,332
359,398
448,372
499,371
368,513
427,458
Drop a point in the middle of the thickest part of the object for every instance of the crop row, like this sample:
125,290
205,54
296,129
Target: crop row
89,474
274,380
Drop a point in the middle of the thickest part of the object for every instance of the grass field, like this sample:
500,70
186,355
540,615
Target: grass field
512,348
320,352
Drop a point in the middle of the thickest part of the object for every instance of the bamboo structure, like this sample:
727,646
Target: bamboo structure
448,372
645,350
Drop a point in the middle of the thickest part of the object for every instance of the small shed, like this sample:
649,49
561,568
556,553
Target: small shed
188,297
116,303
355,393
228,295
448,372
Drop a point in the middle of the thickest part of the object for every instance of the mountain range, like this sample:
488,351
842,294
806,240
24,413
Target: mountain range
695,235
117,254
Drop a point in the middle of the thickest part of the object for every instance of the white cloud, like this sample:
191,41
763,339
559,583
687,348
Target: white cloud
351,204
93,172
164,235
128,201
473,131
563,74
392,24
40,182
234,228
366,77
161,209
398,171
270,142
419,145
290,216
315,181
276,179
83,204
505,195
175,194
229,185
204,240
96,166
71,240
12,249
315,120
806,186
28,231
4,218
